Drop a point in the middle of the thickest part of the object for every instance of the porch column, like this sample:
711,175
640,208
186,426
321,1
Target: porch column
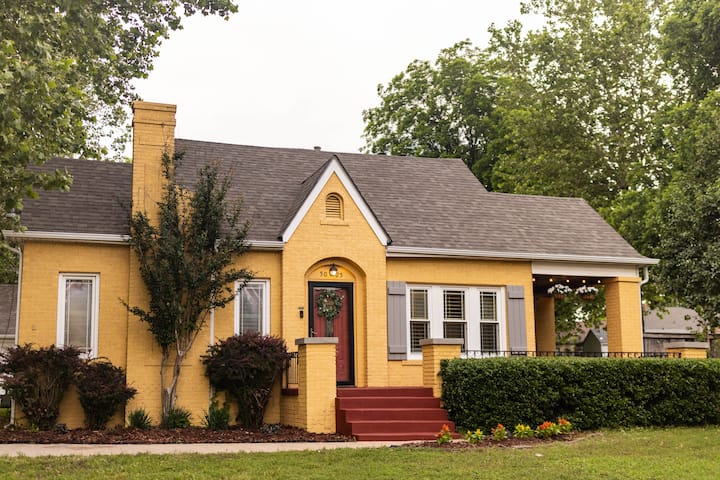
433,351
545,340
624,319
317,383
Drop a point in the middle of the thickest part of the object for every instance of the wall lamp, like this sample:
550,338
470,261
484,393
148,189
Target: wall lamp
333,270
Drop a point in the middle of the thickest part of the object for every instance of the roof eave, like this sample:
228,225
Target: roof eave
400,251
82,237
113,239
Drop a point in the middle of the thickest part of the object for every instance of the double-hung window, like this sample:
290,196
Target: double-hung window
252,307
454,315
419,317
77,324
471,313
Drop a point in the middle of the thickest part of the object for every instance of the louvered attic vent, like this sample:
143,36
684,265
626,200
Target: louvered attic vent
333,206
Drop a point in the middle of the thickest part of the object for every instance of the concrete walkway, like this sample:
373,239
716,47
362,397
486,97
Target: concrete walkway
62,449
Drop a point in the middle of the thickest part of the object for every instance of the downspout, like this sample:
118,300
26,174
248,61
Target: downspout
17,252
645,279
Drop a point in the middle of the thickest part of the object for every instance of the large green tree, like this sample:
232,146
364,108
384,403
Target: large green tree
65,80
691,45
687,214
580,100
186,263
445,109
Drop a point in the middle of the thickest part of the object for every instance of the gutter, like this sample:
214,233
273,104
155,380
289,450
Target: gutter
399,251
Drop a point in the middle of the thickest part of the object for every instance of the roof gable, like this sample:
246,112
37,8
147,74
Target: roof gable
313,186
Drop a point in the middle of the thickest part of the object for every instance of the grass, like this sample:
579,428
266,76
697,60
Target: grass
677,453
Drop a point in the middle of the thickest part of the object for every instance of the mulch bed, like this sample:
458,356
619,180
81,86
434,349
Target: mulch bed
268,433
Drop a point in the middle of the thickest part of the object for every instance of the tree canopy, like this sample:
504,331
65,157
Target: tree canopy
65,80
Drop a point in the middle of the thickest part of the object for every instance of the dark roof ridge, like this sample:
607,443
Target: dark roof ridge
312,150
536,195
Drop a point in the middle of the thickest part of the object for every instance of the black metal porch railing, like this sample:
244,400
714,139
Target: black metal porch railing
290,373
535,353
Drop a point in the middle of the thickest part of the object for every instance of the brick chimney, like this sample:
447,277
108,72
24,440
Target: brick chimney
153,134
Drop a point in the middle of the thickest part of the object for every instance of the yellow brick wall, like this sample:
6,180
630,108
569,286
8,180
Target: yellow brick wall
459,272
353,246
43,262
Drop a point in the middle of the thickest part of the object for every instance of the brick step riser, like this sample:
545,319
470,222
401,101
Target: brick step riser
352,415
357,428
385,392
387,402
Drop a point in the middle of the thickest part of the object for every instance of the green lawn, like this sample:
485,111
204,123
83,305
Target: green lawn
679,453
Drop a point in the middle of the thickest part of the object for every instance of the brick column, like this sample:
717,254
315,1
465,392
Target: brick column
433,351
545,324
317,383
624,320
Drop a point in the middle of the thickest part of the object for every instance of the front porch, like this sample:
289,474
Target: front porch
623,303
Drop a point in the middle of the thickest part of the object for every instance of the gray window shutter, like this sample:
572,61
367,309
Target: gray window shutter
516,318
397,321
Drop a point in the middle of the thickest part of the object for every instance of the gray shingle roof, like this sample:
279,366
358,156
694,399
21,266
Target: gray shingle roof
98,201
420,202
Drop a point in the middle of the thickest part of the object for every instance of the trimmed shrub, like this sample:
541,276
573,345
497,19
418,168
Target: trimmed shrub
590,393
217,418
37,379
102,390
139,419
246,367
176,418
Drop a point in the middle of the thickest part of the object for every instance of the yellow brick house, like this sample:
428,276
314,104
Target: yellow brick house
417,247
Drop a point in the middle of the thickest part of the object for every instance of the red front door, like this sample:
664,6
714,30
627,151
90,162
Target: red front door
341,326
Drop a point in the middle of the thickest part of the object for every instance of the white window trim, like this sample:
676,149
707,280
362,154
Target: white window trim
265,321
60,334
436,314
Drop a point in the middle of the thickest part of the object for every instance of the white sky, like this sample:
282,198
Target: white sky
284,73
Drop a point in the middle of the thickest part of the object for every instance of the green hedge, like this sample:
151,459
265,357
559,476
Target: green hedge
590,392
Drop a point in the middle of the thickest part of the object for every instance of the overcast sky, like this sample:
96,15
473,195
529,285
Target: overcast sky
289,73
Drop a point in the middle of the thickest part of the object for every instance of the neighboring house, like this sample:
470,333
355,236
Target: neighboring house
416,246
677,324
8,316
594,342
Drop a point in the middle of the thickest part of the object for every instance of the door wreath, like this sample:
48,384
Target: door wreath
329,304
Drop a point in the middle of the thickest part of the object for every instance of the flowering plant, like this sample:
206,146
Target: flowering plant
547,430
564,426
474,437
559,289
523,431
444,435
587,290
499,432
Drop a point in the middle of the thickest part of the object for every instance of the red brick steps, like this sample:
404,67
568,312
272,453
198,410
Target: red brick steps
391,413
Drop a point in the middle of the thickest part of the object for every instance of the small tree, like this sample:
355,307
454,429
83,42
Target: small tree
246,367
185,262
37,379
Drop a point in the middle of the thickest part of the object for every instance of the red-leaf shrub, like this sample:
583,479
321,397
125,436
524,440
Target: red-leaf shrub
102,391
246,367
37,379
